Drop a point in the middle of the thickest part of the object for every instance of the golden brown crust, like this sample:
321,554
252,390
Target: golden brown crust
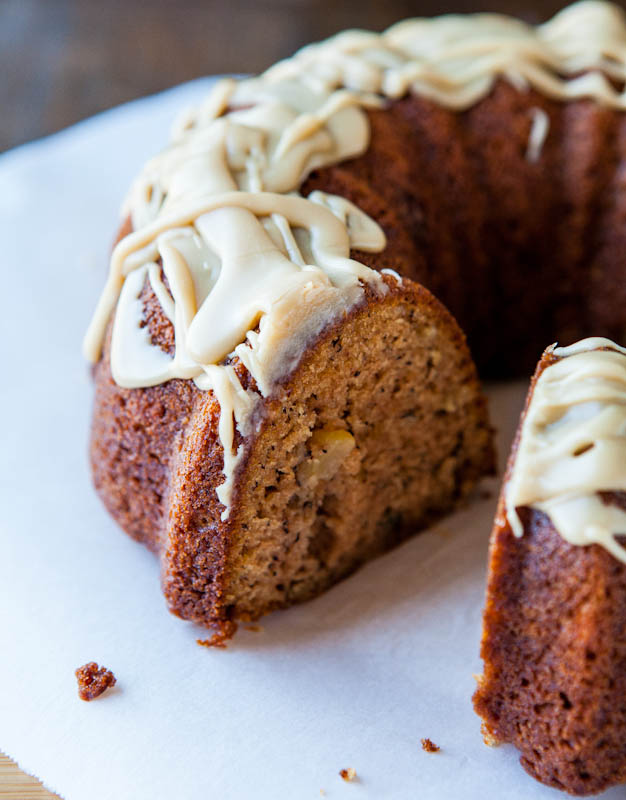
522,253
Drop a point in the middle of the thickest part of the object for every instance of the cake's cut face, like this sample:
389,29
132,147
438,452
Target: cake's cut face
380,430
554,638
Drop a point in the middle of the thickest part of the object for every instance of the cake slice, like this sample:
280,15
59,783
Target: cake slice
554,635
378,427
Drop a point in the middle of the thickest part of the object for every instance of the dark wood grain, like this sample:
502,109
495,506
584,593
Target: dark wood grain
63,60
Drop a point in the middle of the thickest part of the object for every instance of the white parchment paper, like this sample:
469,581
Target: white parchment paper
353,679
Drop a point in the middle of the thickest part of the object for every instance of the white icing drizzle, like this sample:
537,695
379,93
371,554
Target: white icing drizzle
219,210
573,445
539,127
392,272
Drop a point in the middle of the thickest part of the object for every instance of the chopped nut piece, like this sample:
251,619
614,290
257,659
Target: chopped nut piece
348,774
429,746
329,449
93,680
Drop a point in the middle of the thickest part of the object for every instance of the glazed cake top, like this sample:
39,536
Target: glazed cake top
573,446
240,261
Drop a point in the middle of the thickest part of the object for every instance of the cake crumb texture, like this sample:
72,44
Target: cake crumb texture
93,680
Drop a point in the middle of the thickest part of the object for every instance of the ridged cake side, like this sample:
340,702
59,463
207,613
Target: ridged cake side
521,251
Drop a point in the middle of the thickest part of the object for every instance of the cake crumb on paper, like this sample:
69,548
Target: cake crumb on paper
220,637
216,640
255,628
348,774
429,746
93,680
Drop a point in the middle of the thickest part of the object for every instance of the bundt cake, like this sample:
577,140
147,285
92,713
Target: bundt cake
277,397
554,638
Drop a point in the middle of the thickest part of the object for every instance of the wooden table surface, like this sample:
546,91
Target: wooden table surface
63,60
15,785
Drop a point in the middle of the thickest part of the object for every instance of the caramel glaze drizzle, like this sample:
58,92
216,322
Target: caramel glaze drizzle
220,215
573,446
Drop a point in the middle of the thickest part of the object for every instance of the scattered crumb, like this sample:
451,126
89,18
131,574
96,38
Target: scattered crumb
215,640
429,746
348,774
488,738
255,628
220,637
93,680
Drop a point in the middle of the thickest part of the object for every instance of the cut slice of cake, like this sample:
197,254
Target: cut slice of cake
378,427
554,636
